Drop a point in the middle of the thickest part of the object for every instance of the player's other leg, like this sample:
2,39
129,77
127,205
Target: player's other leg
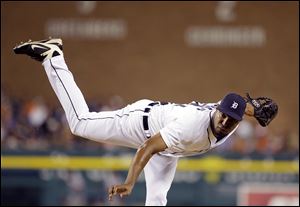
159,174
98,126
49,53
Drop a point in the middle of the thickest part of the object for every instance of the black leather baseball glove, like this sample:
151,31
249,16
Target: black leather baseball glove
265,109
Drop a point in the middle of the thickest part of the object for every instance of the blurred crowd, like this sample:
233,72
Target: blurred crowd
36,125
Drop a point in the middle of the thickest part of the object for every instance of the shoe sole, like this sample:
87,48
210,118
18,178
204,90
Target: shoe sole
57,42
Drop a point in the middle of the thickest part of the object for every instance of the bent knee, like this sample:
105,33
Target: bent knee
75,128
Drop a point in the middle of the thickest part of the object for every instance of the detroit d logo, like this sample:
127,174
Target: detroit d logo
234,105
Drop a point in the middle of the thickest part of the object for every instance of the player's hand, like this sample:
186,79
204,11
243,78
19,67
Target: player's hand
122,190
265,109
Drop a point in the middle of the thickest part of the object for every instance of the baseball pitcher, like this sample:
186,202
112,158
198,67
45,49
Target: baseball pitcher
161,132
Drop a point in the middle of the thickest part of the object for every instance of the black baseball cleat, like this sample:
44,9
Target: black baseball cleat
40,50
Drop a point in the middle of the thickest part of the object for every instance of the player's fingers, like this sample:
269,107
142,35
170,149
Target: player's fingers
114,190
120,189
110,192
124,194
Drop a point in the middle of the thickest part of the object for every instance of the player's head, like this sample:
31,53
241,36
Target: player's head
228,114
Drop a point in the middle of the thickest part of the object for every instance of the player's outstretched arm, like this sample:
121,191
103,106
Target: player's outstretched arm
152,146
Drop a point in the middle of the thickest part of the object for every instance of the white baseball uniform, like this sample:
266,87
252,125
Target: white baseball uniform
184,128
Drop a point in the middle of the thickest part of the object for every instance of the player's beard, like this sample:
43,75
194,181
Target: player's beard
216,130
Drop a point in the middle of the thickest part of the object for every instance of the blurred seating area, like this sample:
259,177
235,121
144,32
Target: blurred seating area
35,125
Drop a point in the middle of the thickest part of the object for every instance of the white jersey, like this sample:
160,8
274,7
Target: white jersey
185,128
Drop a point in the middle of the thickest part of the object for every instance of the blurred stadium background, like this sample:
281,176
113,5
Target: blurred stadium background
120,52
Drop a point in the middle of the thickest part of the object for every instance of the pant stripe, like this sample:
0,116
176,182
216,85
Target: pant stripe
55,70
